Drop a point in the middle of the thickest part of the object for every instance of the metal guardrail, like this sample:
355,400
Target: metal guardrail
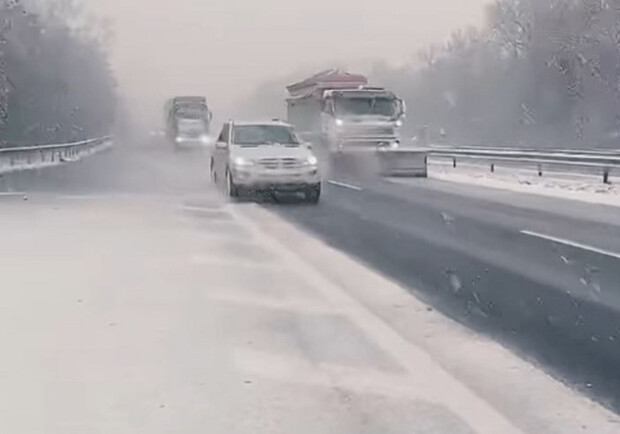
599,152
602,161
34,157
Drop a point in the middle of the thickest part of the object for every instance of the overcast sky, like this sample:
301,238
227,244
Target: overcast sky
223,48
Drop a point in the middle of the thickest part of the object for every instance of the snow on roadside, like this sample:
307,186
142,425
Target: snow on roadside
575,186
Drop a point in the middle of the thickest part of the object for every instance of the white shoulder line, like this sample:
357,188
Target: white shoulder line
571,244
422,371
13,194
344,185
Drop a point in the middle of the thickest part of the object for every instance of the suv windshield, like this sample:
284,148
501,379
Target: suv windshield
263,135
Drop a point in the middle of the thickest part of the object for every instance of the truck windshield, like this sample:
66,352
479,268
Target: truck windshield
191,111
263,135
365,106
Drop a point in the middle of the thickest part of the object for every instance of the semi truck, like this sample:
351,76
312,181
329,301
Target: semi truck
188,120
346,116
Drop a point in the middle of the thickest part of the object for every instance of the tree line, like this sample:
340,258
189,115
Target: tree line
55,81
539,73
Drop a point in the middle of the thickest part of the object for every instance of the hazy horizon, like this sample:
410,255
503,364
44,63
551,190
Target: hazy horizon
223,50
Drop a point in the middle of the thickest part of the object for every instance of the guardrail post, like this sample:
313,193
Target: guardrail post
540,171
606,176
492,167
454,162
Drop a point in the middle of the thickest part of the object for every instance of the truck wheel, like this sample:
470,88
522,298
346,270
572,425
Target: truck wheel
313,194
231,188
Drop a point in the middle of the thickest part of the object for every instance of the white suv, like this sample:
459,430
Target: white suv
256,156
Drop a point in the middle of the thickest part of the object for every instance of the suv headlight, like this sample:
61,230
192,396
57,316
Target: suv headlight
311,161
242,162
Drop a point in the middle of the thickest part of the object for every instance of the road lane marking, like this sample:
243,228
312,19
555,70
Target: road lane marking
206,209
572,244
262,301
82,197
232,262
344,185
296,370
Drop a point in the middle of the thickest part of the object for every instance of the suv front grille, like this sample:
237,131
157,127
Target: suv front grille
280,163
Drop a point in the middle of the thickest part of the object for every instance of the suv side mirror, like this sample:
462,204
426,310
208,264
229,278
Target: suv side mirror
307,145
221,145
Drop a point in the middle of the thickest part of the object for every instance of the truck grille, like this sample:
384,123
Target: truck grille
280,163
369,130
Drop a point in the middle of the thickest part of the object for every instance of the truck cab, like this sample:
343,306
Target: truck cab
188,120
361,119
345,113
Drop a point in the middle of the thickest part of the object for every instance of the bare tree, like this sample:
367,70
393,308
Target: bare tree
541,72
55,82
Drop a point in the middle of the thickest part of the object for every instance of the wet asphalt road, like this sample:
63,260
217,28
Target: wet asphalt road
136,298
483,257
488,259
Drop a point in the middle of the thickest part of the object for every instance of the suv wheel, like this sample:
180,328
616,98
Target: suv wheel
212,172
231,188
313,194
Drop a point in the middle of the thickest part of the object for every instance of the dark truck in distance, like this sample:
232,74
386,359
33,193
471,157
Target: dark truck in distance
188,120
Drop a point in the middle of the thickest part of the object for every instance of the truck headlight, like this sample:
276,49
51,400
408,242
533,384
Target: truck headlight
242,162
386,146
399,123
339,122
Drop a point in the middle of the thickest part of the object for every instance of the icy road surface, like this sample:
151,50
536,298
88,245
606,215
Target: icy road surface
584,187
137,300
